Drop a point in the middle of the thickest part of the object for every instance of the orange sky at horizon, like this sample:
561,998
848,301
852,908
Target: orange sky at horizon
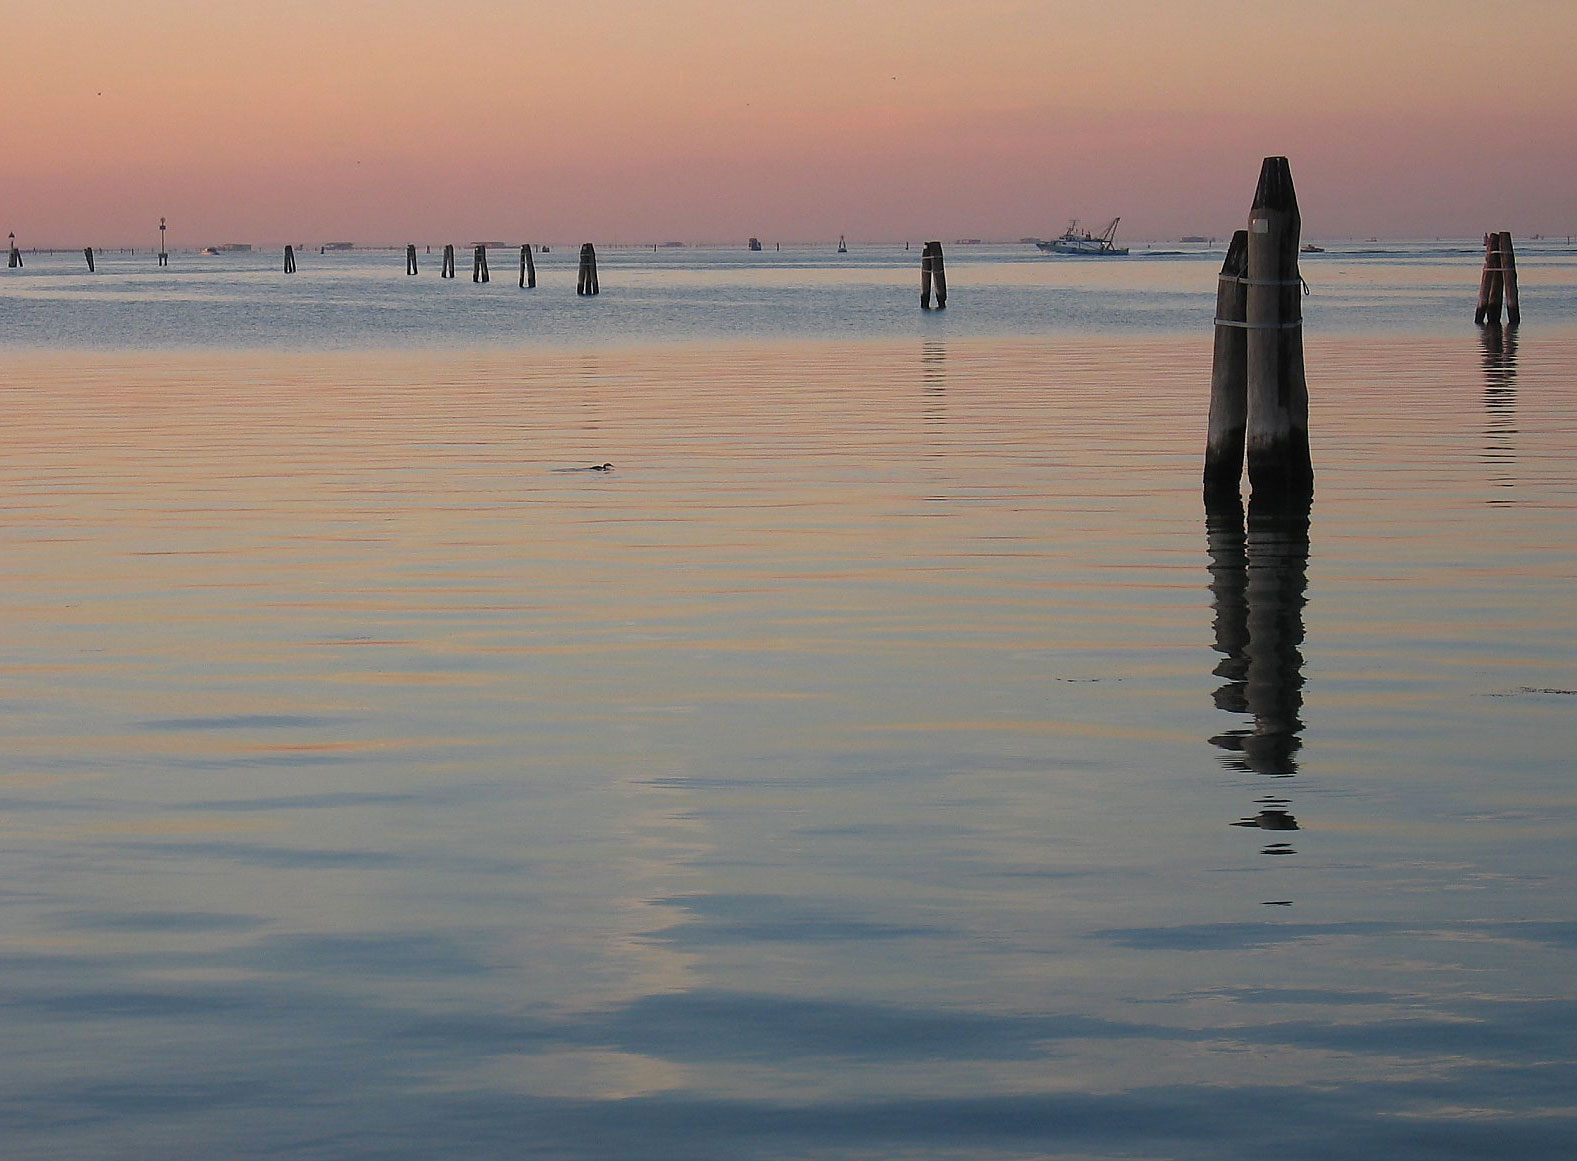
390,120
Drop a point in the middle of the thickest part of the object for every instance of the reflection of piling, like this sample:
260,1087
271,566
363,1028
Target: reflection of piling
1229,377
1258,581
87,252
447,270
1277,431
1277,552
586,278
528,269
479,265
410,258
290,259
933,273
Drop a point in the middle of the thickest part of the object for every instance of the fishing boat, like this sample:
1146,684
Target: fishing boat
1076,241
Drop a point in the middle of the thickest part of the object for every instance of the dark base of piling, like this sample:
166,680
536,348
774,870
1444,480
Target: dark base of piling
1224,469
1280,472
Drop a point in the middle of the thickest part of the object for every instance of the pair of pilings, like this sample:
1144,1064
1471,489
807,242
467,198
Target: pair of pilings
586,277
479,265
933,272
290,259
1259,396
1498,282
15,261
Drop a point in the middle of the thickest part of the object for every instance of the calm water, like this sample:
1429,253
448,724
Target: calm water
857,770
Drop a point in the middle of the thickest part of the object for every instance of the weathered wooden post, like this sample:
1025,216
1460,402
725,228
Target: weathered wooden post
528,269
410,258
933,273
290,259
87,252
586,278
1508,274
479,265
164,254
447,270
14,262
1489,284
1229,377
1277,431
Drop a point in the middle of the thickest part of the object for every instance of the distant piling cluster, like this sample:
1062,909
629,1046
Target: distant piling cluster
1259,397
933,274
1498,283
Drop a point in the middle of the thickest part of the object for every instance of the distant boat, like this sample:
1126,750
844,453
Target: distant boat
843,247
1075,241
1311,248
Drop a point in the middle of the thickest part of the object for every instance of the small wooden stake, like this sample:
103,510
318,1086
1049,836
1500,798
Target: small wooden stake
1277,431
1508,274
15,260
290,259
528,269
87,253
479,265
586,278
447,271
1229,377
410,258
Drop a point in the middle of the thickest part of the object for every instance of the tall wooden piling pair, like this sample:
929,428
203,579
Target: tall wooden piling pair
290,259
447,270
410,258
528,269
1498,283
586,278
479,265
14,262
87,252
933,272
1259,396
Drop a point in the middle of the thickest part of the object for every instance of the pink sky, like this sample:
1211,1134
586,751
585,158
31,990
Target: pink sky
710,120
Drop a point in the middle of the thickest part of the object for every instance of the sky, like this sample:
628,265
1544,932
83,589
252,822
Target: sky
386,121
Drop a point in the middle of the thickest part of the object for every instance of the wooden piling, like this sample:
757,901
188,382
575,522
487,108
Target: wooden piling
528,269
447,270
1277,428
586,278
410,258
1229,377
1508,275
87,252
290,259
479,265
164,254
14,261
1489,283
933,274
